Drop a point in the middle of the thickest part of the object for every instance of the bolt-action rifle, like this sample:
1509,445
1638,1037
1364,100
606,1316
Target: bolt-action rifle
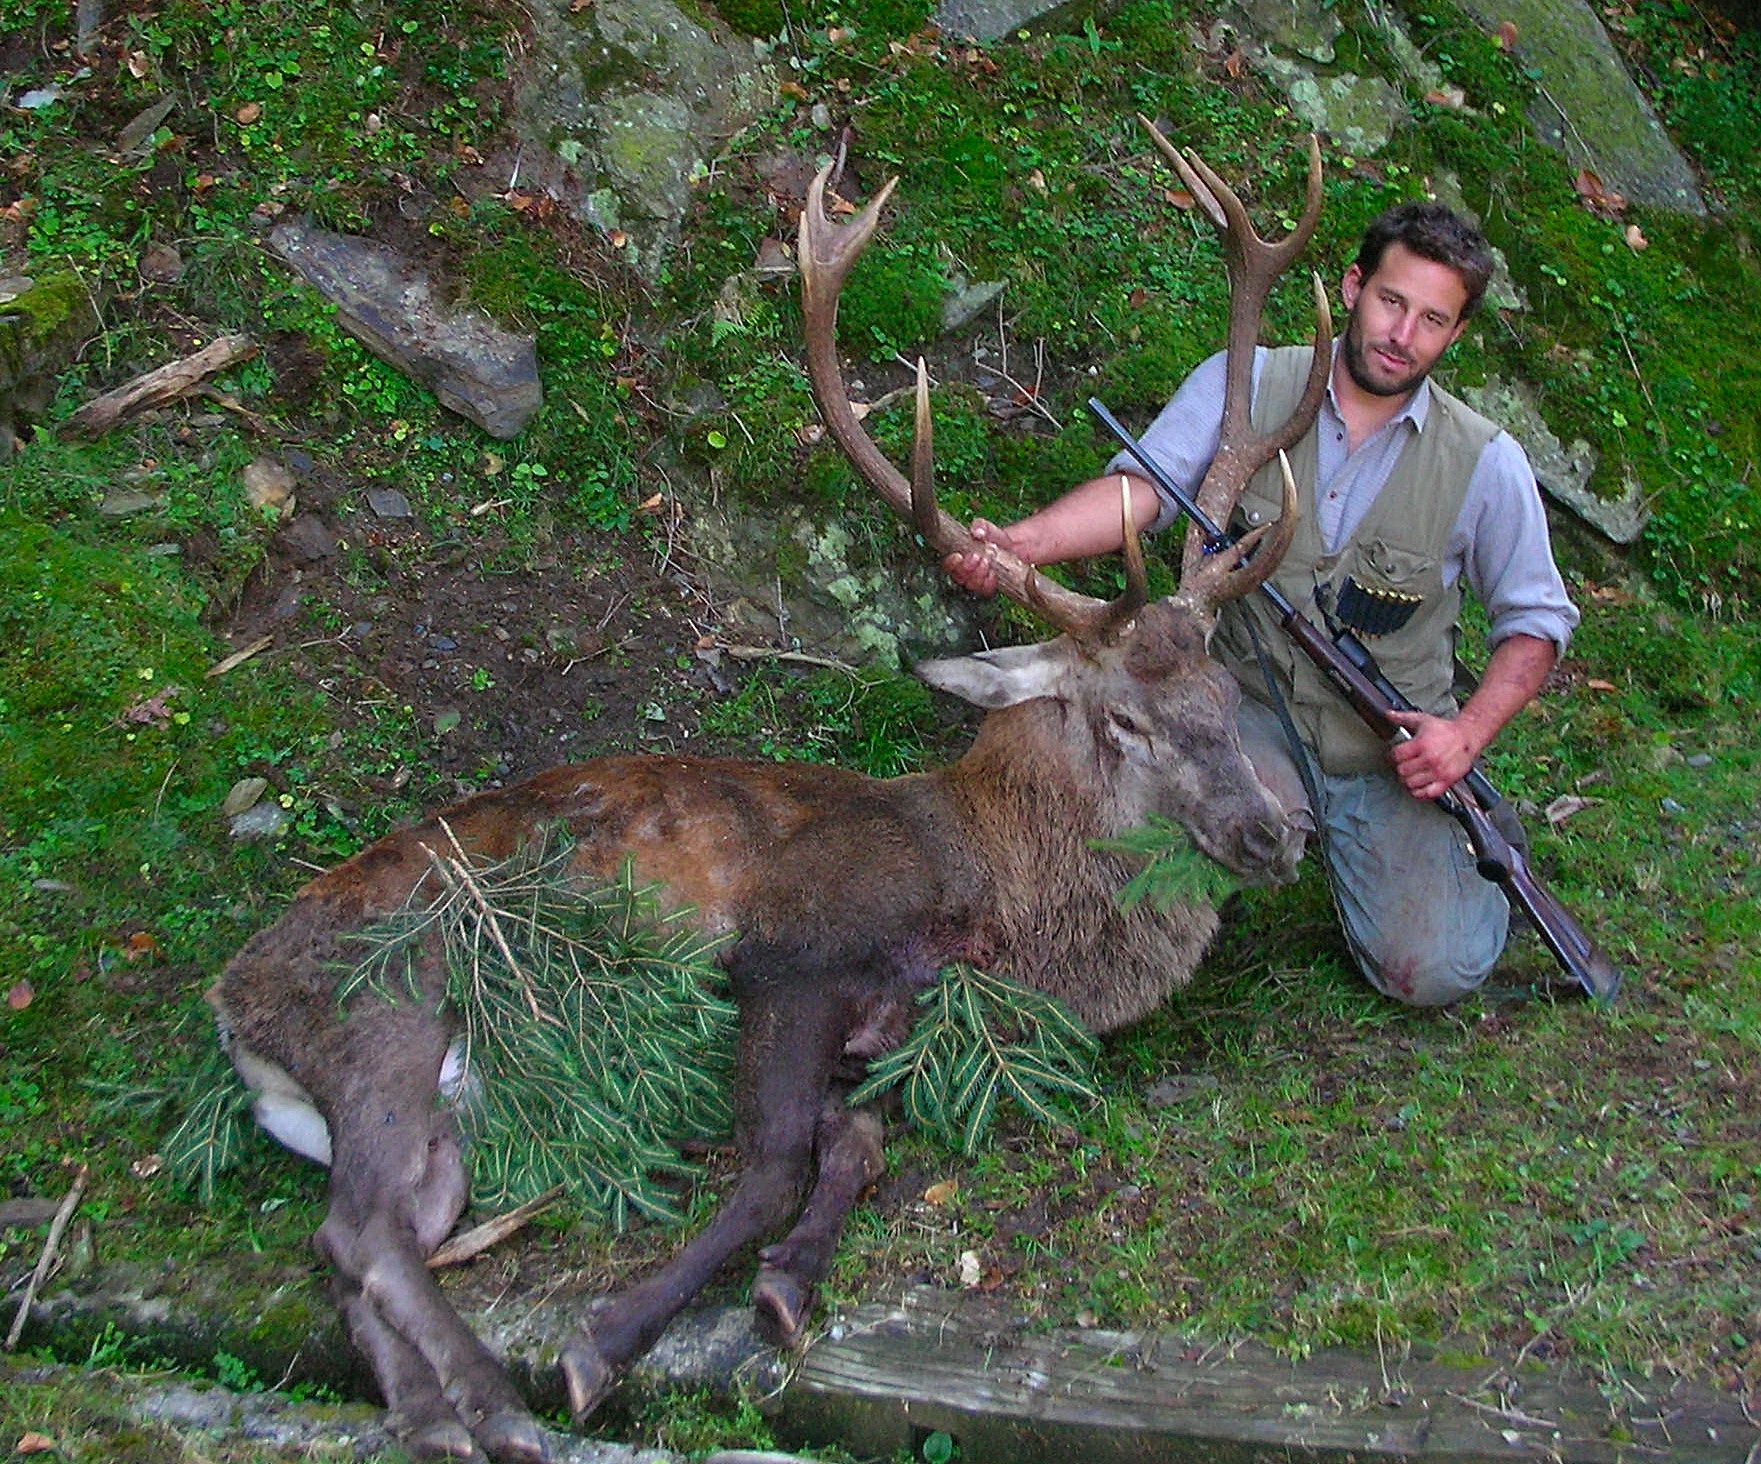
1352,671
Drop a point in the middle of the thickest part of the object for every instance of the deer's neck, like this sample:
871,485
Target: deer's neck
1051,919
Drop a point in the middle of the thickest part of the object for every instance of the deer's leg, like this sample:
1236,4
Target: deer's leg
850,1159
791,1035
397,1187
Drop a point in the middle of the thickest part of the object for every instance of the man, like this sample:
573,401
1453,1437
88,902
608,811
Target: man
1406,494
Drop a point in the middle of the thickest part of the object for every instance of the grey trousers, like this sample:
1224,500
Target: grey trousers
1424,927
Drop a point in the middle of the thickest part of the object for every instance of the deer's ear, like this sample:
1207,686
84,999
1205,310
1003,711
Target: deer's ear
1000,678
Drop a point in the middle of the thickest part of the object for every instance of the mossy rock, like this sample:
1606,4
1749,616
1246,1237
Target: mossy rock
41,331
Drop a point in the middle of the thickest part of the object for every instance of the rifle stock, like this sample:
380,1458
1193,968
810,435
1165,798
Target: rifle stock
1352,671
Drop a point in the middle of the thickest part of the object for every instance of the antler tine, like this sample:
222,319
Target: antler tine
827,251
1245,564
1253,264
1137,589
923,459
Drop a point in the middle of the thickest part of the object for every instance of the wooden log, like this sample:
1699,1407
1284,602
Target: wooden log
885,1377
157,387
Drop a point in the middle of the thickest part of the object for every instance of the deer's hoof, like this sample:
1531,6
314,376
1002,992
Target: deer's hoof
589,1378
782,1304
513,1436
440,1439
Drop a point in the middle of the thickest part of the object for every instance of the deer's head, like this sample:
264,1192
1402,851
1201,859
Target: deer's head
1145,713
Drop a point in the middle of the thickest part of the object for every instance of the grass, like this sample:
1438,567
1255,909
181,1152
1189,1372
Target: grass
1279,1152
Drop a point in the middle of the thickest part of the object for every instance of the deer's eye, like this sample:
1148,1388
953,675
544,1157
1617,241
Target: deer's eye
1126,723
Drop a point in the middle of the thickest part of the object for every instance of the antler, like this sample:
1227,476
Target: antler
827,252
1253,263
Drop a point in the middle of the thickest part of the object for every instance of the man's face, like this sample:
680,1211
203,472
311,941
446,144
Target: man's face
1403,317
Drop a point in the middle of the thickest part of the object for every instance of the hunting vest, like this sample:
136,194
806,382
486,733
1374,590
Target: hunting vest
1385,580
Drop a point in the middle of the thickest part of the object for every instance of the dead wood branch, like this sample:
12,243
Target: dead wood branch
157,387
51,1248
471,1243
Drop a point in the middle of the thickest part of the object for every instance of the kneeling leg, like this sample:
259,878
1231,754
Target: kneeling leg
848,1149
790,1040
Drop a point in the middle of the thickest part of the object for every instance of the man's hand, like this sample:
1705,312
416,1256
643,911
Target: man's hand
977,571
1438,754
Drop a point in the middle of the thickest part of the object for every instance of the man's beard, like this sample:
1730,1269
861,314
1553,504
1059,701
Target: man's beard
1358,366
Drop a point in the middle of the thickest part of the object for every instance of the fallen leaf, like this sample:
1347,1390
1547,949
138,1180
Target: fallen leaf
794,90
941,1192
146,1166
1505,36
651,505
971,1273
20,996
840,205
248,113
1179,197
836,34
139,65
1138,298
140,946
1037,179
577,6
1232,64
1635,238
34,1443
1452,97
1596,683
1564,806
617,238
1086,1318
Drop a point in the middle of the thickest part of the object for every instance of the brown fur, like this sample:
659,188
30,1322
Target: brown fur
843,895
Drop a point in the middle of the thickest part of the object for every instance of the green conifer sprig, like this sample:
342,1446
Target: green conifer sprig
1175,871
979,1040
213,1130
595,1040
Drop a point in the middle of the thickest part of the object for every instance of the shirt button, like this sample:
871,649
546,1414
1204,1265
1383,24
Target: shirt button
1333,494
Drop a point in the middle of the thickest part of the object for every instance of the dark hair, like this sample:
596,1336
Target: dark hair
1432,232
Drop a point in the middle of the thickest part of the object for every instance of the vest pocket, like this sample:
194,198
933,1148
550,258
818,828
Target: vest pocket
1396,568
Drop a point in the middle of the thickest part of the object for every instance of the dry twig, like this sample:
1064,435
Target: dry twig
51,1247
469,1244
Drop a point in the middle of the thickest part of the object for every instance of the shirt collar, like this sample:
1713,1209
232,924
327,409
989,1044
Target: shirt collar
1416,409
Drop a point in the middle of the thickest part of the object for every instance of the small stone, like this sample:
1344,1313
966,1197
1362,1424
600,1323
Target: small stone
388,503
443,643
126,503
52,886
263,821
161,264
1700,760
243,794
308,540
268,484
1672,808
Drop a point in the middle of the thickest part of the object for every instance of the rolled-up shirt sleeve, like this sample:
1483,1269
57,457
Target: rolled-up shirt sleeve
1183,439
1502,544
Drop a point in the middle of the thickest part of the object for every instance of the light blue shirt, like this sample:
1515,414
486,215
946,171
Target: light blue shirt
1499,542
